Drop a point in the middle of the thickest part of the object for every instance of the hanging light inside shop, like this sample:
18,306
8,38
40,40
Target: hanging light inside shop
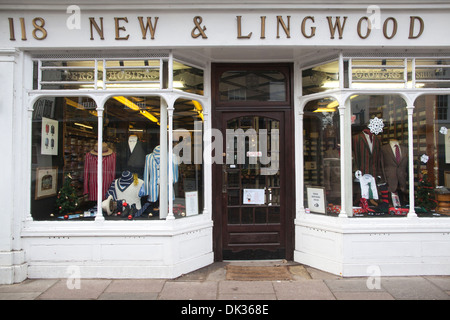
133,106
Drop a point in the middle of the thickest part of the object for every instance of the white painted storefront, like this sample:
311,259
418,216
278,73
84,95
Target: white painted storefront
306,34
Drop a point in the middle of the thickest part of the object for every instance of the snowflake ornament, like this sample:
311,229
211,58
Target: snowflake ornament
443,130
376,125
424,158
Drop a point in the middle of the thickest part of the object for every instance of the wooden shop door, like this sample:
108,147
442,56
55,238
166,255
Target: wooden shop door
253,191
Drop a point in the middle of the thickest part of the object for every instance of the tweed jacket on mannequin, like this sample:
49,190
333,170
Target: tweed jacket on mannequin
396,174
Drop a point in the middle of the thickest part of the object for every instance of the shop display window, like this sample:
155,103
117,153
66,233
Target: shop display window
65,158
188,196
131,126
379,126
64,130
321,150
432,155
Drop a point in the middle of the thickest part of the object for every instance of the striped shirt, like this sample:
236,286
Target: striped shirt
151,174
90,174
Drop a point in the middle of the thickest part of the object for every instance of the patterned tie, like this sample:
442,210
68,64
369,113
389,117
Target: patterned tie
397,154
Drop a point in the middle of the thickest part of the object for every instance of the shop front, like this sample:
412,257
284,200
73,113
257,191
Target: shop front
150,140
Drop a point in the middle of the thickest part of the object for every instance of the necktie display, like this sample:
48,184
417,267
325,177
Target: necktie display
397,154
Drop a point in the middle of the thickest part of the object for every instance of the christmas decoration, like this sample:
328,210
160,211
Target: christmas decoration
66,200
425,193
376,125
424,158
443,130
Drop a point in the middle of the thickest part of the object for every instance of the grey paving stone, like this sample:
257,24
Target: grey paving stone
442,282
177,290
38,285
136,285
246,287
247,296
349,285
303,290
128,296
89,289
376,295
19,295
413,288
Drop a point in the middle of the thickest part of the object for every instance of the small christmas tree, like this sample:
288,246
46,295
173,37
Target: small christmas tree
67,200
425,193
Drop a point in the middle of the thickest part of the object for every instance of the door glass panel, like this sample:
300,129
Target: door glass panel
252,169
248,85
233,216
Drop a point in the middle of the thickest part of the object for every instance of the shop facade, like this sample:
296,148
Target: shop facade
286,131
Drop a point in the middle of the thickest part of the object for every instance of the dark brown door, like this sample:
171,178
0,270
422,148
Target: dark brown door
254,186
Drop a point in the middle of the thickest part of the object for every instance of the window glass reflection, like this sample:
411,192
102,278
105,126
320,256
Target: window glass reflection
321,149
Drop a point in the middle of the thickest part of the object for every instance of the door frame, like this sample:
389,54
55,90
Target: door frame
287,107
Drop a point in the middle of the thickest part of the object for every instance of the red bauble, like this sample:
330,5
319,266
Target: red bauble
66,217
119,213
130,217
124,204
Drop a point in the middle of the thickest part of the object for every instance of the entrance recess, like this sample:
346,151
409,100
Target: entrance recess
254,186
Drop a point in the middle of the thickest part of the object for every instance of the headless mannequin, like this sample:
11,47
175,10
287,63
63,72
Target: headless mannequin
395,171
132,140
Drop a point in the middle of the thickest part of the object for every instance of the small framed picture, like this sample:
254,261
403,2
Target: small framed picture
46,182
316,199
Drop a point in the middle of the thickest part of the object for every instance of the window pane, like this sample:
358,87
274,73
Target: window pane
322,152
188,152
380,155
252,86
64,149
76,74
321,78
132,127
131,74
187,78
378,73
431,156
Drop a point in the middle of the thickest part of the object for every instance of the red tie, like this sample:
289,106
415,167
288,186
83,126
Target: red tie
397,154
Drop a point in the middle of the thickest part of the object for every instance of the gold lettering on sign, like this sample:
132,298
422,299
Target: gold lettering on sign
313,29
39,32
337,25
119,28
39,27
287,29
198,29
12,36
22,25
412,19
148,26
95,25
239,29
263,27
369,27
394,28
